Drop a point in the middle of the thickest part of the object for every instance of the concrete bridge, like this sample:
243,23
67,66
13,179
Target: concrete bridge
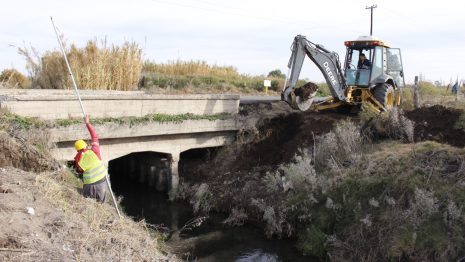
168,140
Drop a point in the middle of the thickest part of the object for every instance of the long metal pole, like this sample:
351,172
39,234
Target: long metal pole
112,195
69,68
80,103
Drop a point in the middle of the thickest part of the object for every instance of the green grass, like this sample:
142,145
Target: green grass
131,121
9,120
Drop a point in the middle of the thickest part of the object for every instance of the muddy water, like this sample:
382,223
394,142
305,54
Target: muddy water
211,241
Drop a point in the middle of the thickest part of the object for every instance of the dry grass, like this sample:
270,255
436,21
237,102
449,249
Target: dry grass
199,68
95,66
12,78
429,94
200,77
93,230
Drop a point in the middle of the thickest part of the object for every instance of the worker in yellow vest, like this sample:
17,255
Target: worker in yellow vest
88,163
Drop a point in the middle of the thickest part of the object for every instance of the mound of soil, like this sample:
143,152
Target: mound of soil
283,137
437,123
282,134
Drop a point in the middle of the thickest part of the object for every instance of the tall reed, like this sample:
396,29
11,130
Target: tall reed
95,66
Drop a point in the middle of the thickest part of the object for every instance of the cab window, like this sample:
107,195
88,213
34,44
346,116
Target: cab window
394,66
356,71
377,65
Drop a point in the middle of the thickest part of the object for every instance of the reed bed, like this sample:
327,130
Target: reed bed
95,66
191,68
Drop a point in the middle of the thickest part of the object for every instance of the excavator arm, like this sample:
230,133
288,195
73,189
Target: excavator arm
328,63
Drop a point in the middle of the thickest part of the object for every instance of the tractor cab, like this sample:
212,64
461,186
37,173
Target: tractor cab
370,61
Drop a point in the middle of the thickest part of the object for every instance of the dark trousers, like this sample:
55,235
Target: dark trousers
97,190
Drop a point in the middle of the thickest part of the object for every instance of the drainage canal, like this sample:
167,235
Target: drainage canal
143,179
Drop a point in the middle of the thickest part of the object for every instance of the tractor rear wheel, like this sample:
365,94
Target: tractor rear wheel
384,93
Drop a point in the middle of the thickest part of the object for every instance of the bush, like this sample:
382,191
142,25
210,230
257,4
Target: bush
392,125
342,144
14,79
94,66
277,74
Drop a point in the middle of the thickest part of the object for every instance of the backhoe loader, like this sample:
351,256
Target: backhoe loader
377,85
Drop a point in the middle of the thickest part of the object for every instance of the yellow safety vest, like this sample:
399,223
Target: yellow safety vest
93,167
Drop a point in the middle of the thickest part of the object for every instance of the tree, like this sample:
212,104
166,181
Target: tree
276,73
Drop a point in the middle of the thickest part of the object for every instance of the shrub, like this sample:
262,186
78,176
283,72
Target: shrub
202,199
393,125
342,144
14,79
323,89
276,73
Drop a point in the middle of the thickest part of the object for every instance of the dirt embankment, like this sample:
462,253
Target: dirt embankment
280,136
438,123
17,153
282,133
342,203
45,218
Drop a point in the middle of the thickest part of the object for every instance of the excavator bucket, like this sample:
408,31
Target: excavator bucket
303,96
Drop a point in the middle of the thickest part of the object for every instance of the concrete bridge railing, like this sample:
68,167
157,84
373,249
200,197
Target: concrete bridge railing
61,104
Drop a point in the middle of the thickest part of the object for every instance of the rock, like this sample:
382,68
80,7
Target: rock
30,211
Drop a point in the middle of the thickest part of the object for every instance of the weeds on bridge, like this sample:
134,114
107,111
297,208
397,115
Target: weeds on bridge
132,121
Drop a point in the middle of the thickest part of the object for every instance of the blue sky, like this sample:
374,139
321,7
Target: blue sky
253,36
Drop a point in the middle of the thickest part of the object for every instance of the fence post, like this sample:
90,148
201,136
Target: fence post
416,94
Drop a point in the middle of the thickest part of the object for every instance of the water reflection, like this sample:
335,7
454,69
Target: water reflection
258,256
212,241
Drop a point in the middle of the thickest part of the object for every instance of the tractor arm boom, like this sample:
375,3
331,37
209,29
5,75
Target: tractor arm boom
325,60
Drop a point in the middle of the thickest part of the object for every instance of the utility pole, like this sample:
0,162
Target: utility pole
371,24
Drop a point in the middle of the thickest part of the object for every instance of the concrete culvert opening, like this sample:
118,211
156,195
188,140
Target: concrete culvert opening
191,161
150,169
143,180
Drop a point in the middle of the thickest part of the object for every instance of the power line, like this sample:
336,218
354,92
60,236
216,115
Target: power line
214,8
